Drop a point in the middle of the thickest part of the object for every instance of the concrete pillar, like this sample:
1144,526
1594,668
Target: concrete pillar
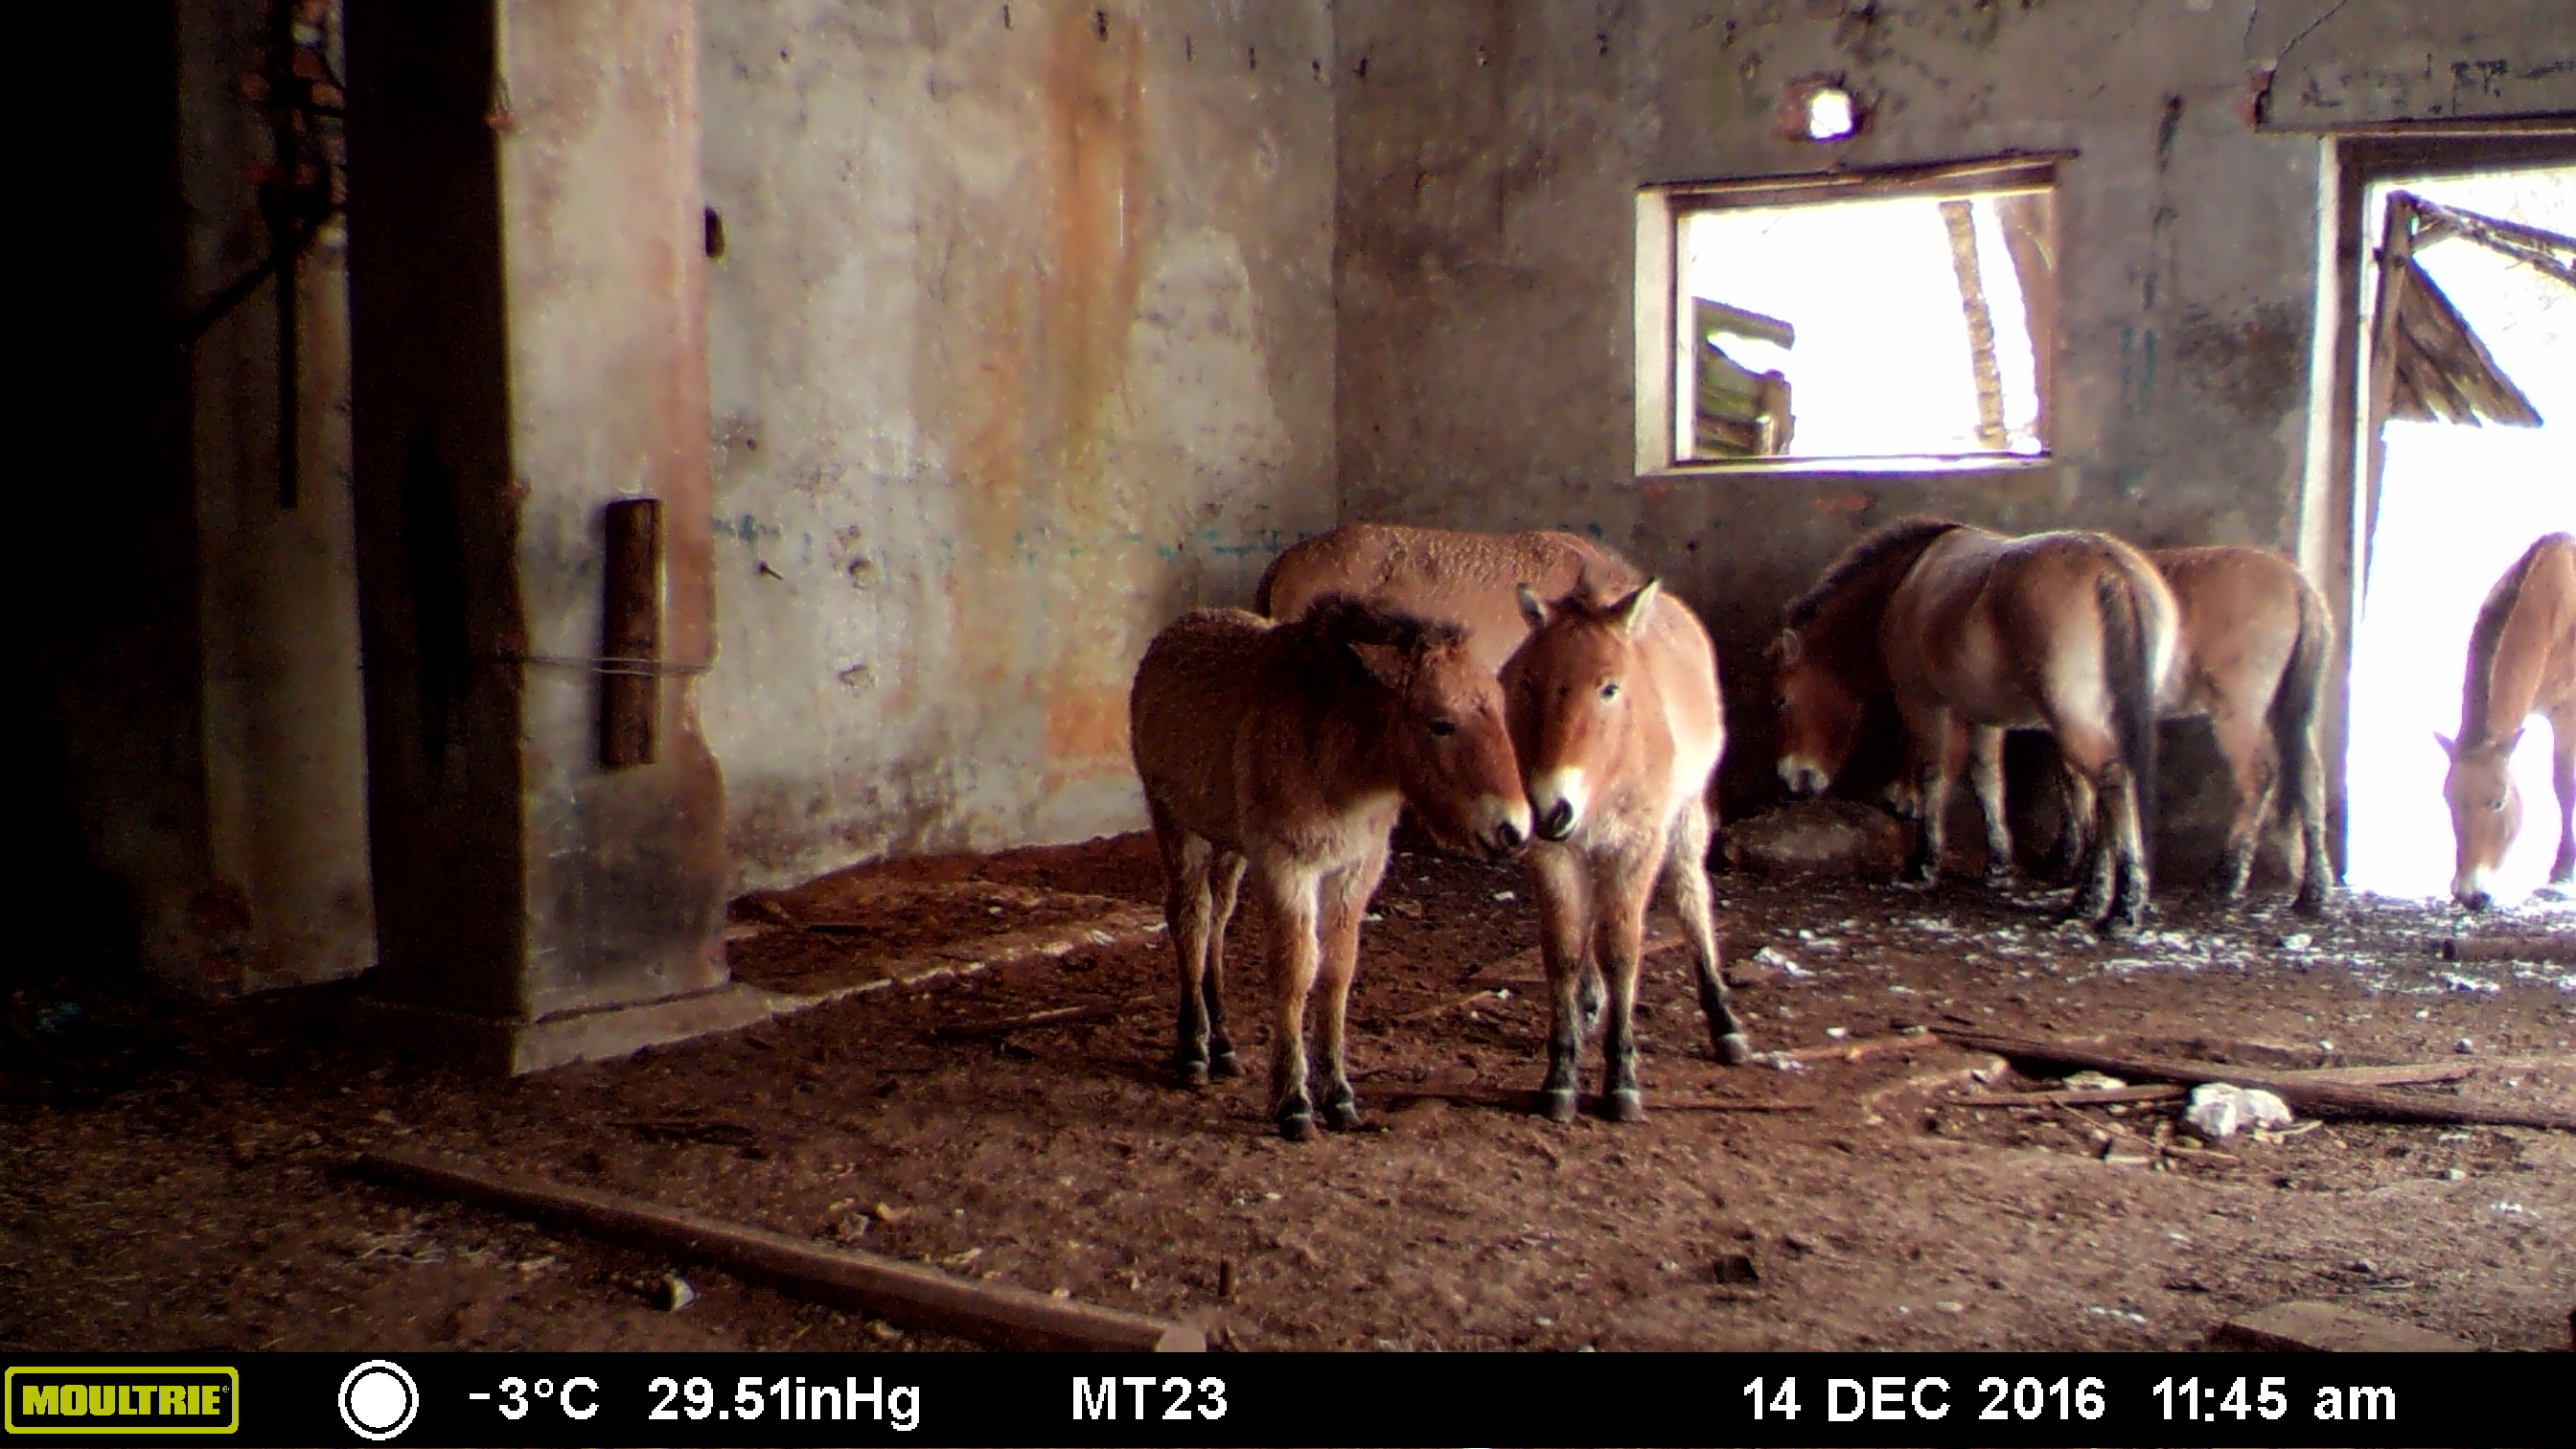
528,326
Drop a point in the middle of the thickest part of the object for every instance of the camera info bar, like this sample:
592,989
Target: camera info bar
752,1399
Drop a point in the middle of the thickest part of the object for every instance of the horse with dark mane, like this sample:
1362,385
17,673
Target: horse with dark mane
2522,662
1288,748
1974,634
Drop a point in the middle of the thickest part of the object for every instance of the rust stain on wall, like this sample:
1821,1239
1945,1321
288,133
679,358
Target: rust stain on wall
1096,170
1086,732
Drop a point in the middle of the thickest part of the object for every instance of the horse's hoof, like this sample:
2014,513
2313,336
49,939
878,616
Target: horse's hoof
1556,1104
1735,1049
1917,880
2309,904
1223,1064
1297,1127
1624,1105
1342,1116
1190,1075
2120,924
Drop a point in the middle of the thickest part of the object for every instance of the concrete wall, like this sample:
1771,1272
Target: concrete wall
1022,343
1485,234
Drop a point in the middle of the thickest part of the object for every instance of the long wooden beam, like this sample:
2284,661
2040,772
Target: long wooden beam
905,1294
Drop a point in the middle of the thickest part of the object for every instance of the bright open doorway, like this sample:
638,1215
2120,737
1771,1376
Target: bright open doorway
2457,506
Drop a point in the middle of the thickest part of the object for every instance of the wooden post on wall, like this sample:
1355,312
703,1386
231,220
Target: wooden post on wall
630,646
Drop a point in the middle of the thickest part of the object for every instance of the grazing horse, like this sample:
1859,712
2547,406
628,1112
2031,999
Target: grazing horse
2522,662
1974,634
2252,641
1618,726
1288,747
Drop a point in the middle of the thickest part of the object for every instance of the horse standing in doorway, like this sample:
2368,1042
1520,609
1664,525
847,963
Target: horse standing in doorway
1974,634
1287,748
1618,726
2522,662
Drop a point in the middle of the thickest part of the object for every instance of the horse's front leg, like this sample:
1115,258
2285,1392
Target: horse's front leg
1287,892
1986,774
2562,778
1936,755
1225,886
1346,895
1564,914
1622,884
1687,866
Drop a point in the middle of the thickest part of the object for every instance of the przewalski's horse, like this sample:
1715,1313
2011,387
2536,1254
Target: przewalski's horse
1973,634
2254,638
2522,662
1288,747
1439,573
1617,722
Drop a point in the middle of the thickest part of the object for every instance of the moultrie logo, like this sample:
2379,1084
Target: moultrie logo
123,1400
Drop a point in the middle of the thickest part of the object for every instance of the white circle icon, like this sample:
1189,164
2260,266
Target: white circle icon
378,1400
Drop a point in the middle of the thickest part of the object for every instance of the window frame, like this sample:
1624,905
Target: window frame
1661,210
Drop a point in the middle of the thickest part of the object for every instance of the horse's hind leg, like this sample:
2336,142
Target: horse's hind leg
1565,933
1345,901
2246,742
1227,884
1687,868
1986,773
1622,884
1186,860
2072,859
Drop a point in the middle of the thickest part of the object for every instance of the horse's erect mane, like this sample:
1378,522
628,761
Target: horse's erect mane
1317,642
1905,535
2488,633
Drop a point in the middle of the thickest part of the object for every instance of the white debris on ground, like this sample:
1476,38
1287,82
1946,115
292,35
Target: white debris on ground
1780,962
2219,1110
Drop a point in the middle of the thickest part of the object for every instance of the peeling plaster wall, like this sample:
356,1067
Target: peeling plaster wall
1022,343
1489,153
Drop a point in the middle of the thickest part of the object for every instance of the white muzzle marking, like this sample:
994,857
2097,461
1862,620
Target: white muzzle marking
1560,795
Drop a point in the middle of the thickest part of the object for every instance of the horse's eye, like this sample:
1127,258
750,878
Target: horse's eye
1442,729
2496,804
1610,690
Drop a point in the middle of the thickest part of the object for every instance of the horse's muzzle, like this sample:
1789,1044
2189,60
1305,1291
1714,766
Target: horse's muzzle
1805,781
1558,823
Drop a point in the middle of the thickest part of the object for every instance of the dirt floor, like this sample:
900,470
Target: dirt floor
172,1180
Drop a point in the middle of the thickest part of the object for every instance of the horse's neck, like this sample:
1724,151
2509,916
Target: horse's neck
2515,671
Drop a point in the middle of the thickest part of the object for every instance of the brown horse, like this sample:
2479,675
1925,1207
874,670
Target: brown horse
1974,634
1288,747
1436,573
1618,726
2253,639
2522,662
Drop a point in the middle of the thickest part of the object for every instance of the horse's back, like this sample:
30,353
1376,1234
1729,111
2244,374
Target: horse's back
1465,577
1981,619
1684,659
1200,680
2239,612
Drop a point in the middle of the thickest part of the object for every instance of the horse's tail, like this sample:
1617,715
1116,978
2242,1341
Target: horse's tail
2129,667
2297,702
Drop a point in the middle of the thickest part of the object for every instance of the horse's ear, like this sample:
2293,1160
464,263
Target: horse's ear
1784,650
1634,610
2449,750
1533,608
1385,663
